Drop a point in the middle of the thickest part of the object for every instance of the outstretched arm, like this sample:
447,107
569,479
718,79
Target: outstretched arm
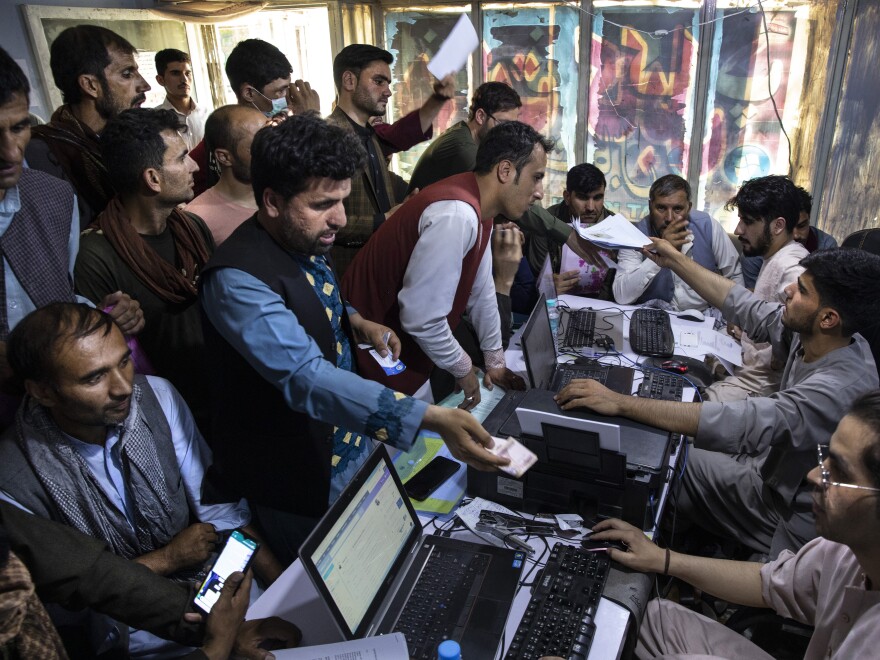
733,581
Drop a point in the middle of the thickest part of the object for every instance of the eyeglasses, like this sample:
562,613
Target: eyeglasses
497,121
825,473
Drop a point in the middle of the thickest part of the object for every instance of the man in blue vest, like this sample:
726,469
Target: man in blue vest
693,233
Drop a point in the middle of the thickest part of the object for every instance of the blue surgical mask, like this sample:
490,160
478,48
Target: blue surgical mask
278,105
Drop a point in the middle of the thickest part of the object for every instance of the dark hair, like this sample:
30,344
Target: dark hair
805,199
848,281
866,409
32,344
257,63
493,97
167,56
513,141
355,57
669,185
287,156
12,79
584,179
132,142
83,49
767,198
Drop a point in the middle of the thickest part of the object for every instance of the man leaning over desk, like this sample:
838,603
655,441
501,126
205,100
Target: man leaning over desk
292,419
746,478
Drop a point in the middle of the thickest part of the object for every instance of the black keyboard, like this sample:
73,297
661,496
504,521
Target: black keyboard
650,332
441,601
565,376
580,328
661,385
560,614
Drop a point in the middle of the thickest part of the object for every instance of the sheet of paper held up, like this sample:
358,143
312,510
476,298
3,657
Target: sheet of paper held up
614,232
455,50
383,647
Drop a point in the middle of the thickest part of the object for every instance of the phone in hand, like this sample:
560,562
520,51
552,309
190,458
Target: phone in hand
235,556
430,477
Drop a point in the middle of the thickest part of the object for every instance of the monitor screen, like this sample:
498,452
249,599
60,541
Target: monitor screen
356,555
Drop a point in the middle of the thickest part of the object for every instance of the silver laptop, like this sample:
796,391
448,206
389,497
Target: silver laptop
377,574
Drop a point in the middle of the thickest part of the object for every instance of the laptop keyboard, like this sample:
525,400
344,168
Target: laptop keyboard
580,328
568,374
650,332
661,385
559,618
441,601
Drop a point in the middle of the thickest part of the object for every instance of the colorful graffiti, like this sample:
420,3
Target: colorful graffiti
413,38
640,99
535,51
743,136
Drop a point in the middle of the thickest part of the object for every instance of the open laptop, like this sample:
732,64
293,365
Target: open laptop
377,574
539,351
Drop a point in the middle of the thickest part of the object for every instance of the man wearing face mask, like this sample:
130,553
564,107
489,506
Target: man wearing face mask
694,233
259,75
97,74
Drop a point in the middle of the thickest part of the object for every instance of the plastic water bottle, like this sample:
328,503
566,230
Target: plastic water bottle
449,650
553,313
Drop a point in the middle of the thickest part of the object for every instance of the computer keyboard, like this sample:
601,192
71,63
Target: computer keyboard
650,332
441,601
580,328
565,376
559,618
661,385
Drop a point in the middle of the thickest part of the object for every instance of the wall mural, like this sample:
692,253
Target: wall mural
743,137
534,50
413,38
641,90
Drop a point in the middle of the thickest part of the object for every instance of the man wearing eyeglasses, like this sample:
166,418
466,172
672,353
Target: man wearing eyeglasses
746,477
830,584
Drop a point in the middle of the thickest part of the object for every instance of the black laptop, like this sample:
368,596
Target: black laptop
378,574
539,351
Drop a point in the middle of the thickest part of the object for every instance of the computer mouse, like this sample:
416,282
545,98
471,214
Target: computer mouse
674,365
691,315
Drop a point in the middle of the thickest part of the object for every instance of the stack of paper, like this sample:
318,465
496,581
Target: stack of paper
614,233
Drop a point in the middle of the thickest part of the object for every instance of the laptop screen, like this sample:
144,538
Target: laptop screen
539,349
365,540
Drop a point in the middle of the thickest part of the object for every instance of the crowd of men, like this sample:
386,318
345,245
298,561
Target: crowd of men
186,294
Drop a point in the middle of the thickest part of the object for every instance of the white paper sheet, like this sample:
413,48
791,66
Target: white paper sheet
454,51
614,232
385,647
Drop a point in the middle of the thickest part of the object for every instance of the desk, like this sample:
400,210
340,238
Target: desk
626,355
294,598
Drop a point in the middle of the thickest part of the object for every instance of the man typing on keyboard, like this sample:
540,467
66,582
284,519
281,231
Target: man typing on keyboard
830,584
746,478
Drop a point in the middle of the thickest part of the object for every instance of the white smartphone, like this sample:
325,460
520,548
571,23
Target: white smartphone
235,556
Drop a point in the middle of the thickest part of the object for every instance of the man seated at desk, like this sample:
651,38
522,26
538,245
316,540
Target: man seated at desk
830,584
746,477
692,233
583,203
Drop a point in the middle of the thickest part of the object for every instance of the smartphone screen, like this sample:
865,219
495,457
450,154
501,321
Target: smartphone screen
236,556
